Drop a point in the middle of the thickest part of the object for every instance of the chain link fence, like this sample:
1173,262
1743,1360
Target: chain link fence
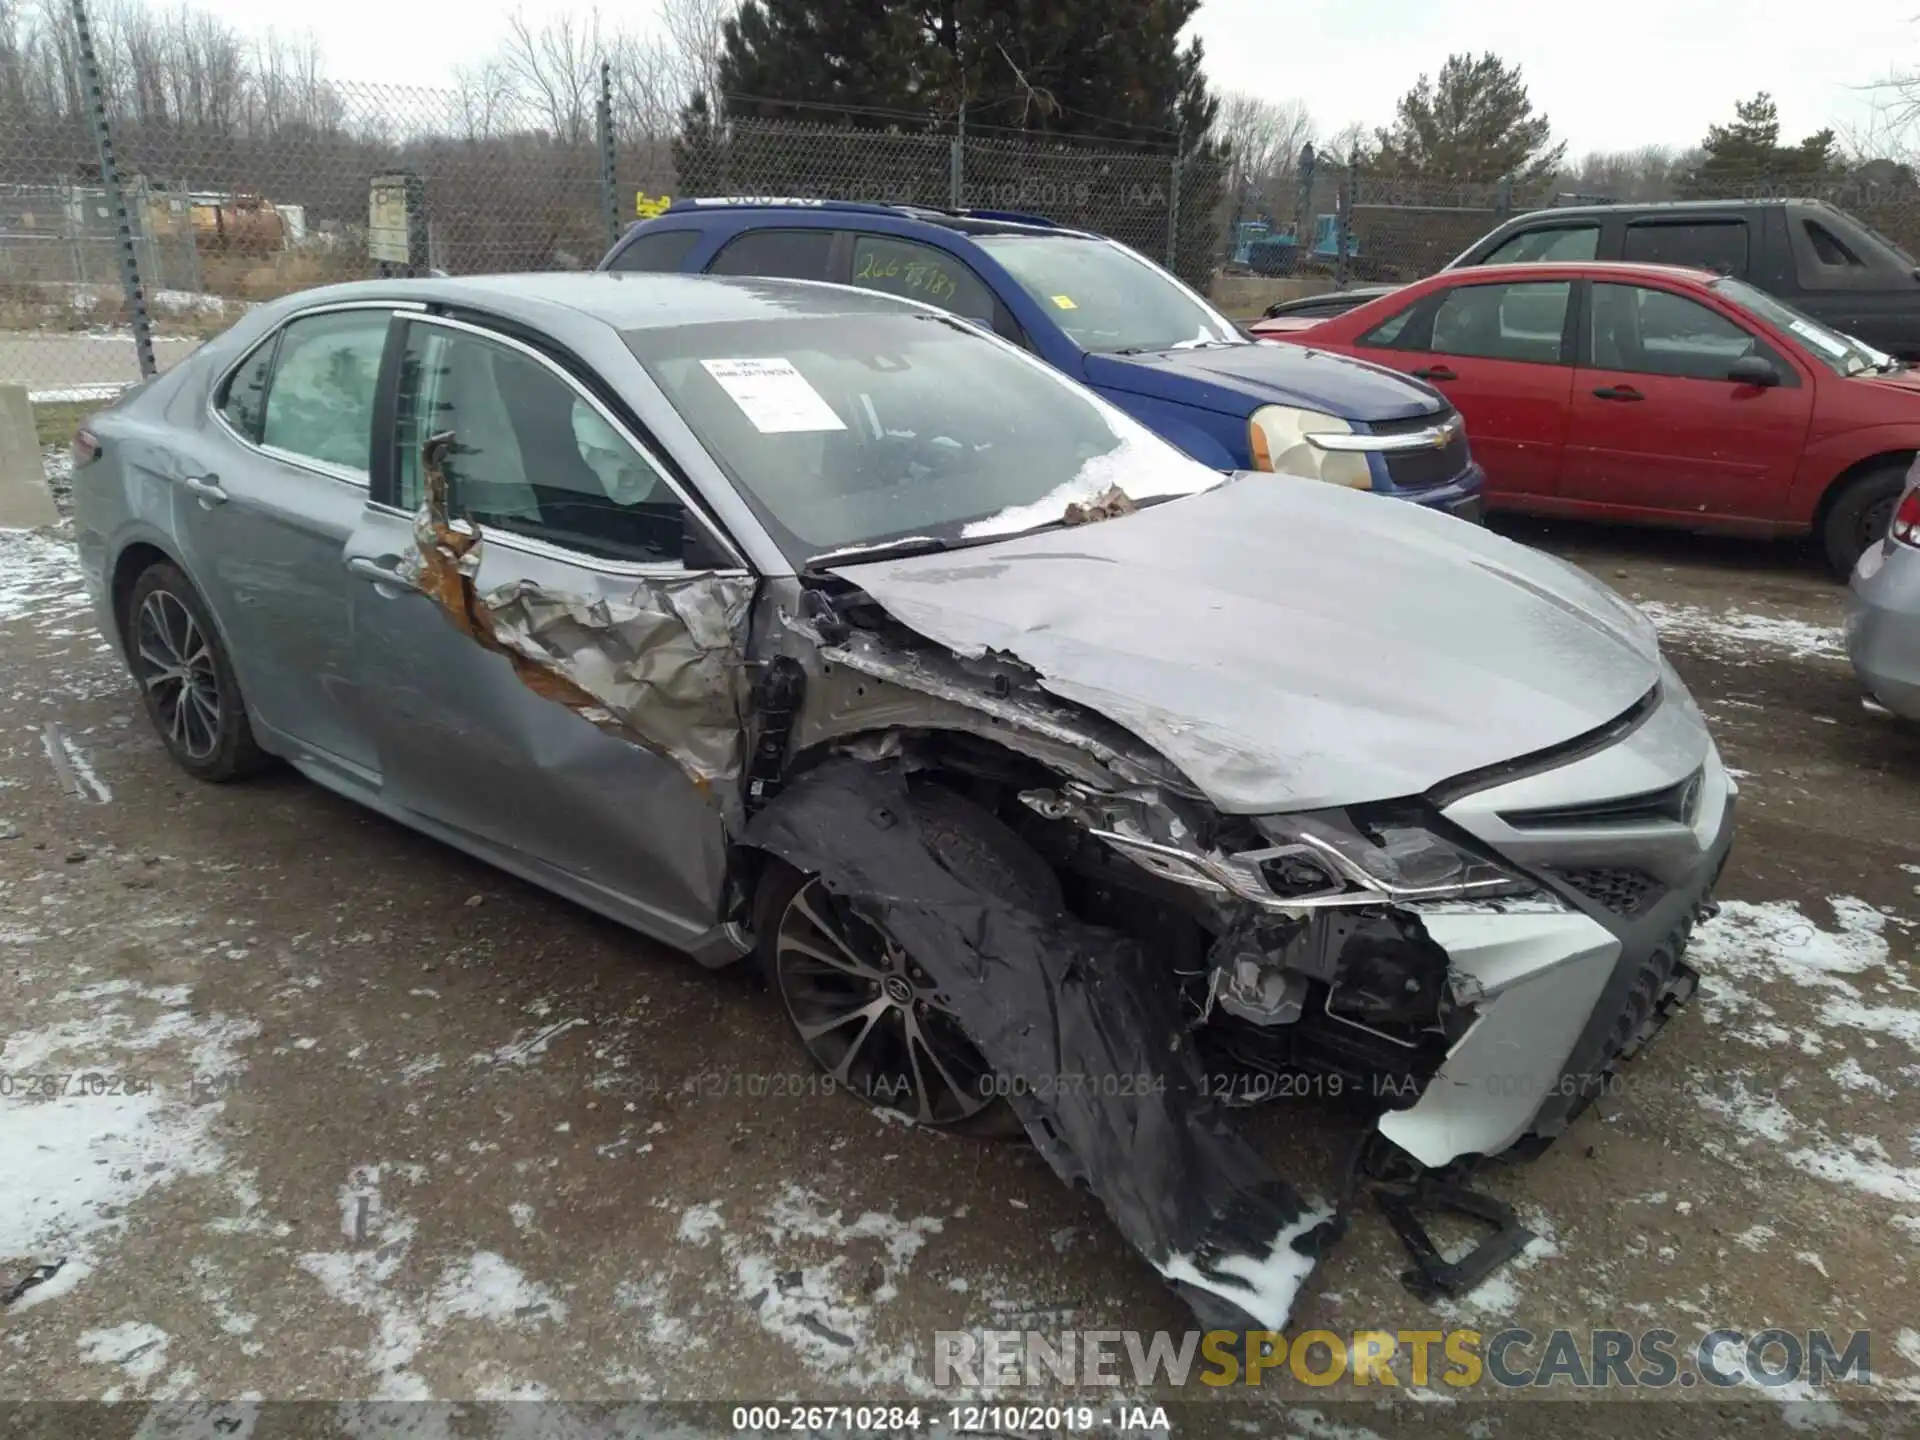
348,181
338,181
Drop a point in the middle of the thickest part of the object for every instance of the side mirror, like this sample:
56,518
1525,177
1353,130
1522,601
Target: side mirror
1753,370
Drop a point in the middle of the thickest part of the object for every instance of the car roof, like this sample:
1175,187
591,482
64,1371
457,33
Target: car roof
629,300
966,222
1661,207
1579,269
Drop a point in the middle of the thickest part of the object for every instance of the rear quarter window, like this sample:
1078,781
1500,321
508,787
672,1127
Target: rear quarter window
656,250
779,254
1719,245
1550,244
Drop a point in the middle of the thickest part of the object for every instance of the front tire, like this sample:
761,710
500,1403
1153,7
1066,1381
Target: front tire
1859,515
186,680
862,1008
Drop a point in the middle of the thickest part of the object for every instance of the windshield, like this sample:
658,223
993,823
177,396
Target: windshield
1840,353
861,430
1108,298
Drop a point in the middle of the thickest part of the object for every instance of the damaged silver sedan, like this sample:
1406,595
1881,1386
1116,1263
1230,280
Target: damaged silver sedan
1057,782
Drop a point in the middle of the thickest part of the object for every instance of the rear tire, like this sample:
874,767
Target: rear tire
186,680
1859,515
822,960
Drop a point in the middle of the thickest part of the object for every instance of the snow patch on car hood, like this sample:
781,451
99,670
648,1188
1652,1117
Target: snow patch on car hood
1291,645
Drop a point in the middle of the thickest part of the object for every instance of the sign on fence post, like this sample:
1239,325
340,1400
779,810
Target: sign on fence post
397,223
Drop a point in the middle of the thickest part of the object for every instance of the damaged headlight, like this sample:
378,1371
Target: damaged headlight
1315,861
1397,859
1280,439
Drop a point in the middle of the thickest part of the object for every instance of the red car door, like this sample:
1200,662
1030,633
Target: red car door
1658,430
1499,352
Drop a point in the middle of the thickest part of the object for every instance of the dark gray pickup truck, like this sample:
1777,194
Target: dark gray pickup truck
1815,257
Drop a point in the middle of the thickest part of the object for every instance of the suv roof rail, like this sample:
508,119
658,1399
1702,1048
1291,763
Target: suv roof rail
1013,217
721,202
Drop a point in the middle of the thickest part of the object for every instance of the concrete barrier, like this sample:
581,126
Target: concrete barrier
25,501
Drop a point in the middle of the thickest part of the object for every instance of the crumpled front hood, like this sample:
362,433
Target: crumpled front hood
1238,379
1291,645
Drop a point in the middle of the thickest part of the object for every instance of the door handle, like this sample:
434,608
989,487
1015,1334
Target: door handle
1617,392
1434,372
375,573
206,488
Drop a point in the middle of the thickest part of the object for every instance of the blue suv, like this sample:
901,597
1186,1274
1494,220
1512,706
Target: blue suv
1109,318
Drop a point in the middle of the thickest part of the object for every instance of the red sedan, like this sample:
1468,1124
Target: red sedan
1650,393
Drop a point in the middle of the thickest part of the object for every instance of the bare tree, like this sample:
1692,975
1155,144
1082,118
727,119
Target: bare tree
1652,172
647,93
482,96
1264,138
696,33
1344,142
556,69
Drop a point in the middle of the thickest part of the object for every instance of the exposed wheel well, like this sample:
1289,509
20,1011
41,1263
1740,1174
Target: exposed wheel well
133,562
975,767
1846,477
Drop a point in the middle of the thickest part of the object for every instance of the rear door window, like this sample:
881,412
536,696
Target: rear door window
780,254
1522,322
1719,245
243,401
920,272
657,250
1654,332
319,402
1556,244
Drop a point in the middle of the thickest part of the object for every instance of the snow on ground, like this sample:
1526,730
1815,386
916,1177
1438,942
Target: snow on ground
482,1287
108,1104
39,578
1777,979
1738,633
816,1282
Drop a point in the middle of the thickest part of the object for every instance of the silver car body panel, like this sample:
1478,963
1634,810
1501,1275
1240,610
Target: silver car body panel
1290,646
1883,625
1535,980
1271,646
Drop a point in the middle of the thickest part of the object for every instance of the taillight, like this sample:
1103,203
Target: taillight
85,448
1906,519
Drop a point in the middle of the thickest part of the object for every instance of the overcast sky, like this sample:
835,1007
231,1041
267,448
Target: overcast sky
1612,75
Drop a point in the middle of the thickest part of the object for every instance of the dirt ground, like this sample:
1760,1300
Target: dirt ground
393,1126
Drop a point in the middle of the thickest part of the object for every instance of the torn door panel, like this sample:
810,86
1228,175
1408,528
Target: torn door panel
664,667
1087,1027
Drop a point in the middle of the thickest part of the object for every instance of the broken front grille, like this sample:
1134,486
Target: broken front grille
1623,892
1420,469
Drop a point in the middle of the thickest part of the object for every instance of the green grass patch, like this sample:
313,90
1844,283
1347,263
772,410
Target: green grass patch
55,423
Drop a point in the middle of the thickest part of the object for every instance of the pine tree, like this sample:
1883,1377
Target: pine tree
1112,69
1030,71
1749,151
1474,124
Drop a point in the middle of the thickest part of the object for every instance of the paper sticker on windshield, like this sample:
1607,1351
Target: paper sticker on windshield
1814,335
1064,302
774,396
